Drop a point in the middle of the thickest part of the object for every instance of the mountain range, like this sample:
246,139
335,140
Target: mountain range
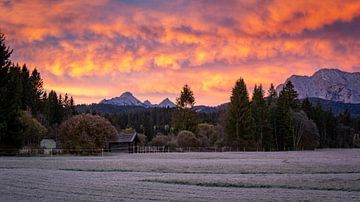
128,99
328,84
332,88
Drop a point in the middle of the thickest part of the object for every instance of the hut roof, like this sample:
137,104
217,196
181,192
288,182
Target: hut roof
126,137
48,144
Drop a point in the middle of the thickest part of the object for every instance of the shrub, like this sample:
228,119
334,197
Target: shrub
142,139
159,140
187,139
86,131
33,131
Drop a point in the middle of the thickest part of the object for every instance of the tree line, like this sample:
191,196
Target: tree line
257,122
27,112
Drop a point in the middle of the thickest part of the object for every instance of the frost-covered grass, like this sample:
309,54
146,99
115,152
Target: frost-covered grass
325,175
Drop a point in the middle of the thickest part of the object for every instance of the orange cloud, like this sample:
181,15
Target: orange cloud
97,49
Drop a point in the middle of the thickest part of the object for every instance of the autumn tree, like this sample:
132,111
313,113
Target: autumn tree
187,139
86,131
33,132
305,134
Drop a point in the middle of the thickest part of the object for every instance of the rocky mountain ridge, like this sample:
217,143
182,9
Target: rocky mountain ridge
128,99
328,84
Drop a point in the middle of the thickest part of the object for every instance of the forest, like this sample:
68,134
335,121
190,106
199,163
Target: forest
264,121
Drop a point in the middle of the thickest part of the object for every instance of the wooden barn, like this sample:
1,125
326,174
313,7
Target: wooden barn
125,142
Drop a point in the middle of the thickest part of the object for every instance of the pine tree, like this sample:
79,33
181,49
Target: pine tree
345,118
5,62
307,107
272,95
12,137
259,114
54,109
10,100
184,118
186,99
287,102
26,97
37,92
272,109
239,123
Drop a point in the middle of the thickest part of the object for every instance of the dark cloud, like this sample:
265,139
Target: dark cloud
341,29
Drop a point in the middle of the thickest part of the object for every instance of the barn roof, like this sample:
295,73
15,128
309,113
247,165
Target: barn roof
126,137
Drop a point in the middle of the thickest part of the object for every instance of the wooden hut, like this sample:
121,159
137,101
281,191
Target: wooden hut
125,142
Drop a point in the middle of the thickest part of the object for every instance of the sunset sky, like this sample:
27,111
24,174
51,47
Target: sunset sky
96,49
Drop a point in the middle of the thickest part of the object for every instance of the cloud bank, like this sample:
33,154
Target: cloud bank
98,49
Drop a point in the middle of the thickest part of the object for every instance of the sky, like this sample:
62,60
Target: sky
101,48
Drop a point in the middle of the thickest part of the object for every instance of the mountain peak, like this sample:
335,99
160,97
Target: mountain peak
125,99
126,94
167,103
128,99
147,103
328,84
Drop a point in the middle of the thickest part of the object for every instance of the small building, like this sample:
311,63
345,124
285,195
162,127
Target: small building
48,145
125,142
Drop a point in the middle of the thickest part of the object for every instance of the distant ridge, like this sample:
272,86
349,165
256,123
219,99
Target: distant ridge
328,84
125,99
332,88
166,103
128,99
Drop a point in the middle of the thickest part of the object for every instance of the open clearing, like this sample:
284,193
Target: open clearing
322,175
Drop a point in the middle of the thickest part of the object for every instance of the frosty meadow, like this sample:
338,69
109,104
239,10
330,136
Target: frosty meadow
320,175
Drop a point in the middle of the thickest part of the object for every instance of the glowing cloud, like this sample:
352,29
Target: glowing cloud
98,49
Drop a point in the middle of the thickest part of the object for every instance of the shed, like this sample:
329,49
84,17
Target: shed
48,145
125,142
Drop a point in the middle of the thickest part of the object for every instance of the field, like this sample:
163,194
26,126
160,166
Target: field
321,175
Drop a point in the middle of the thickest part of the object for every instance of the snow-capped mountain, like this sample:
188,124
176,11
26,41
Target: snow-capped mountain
148,104
166,103
125,99
328,84
128,99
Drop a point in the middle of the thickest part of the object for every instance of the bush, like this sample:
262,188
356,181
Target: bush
159,140
86,131
142,139
187,139
33,131
207,135
306,133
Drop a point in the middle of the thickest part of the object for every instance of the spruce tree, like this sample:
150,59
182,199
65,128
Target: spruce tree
186,99
287,102
272,95
5,62
239,123
272,108
184,117
37,92
259,114
307,107
10,100
26,97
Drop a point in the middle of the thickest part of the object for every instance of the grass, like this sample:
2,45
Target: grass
239,185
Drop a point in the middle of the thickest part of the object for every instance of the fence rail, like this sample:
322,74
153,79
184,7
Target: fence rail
131,149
